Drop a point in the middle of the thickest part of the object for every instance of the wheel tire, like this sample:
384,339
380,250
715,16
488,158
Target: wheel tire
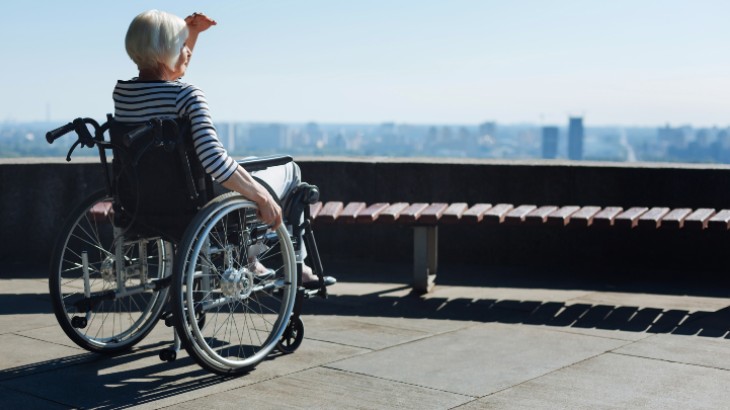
115,325
228,317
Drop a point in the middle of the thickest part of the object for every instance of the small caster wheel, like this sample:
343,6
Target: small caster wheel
168,321
168,355
78,322
292,337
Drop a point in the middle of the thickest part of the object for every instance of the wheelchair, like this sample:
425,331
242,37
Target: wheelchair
157,244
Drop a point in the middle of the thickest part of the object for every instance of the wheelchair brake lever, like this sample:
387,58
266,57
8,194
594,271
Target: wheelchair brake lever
71,150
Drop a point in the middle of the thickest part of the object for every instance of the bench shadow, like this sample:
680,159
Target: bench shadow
538,313
646,319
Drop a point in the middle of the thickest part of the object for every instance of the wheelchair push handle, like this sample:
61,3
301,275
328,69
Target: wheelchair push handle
59,132
135,134
80,126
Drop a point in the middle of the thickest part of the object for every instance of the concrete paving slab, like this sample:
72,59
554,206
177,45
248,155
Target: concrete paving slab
23,354
506,293
140,378
367,288
159,336
613,381
666,302
24,286
375,345
608,334
21,323
479,360
325,388
698,350
352,332
430,326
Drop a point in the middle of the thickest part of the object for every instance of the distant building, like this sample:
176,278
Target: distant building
673,136
488,128
576,134
550,142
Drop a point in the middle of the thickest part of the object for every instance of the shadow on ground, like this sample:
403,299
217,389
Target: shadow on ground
106,382
544,313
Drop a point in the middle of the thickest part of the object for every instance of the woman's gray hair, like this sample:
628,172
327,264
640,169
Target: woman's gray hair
156,37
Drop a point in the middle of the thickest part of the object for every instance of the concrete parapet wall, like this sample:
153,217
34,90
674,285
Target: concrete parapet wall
37,194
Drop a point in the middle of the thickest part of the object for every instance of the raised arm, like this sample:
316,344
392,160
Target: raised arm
197,23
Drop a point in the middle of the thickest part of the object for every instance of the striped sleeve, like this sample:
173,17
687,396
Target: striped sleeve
218,164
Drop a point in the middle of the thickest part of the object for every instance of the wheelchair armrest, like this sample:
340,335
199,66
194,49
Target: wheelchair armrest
259,163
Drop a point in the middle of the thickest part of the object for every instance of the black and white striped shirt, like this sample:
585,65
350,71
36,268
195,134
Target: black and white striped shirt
138,101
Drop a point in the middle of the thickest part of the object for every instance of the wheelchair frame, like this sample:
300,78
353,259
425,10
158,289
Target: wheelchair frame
230,289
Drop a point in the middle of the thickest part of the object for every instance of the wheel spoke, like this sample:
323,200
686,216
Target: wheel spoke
236,321
112,324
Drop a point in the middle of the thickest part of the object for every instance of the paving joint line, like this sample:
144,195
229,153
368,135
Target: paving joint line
671,361
546,374
397,381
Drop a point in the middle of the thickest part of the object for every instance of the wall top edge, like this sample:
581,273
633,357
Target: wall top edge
409,160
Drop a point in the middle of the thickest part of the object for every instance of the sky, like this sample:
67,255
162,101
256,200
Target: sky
633,63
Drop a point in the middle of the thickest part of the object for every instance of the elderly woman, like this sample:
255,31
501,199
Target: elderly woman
161,44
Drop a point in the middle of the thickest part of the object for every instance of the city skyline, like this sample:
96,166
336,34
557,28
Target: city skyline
461,62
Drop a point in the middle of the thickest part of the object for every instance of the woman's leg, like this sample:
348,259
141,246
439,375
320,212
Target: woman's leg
282,180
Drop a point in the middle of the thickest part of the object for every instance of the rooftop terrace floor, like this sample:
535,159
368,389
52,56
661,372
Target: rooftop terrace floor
485,338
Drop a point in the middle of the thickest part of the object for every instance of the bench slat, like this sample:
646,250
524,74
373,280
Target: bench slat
350,211
517,215
652,219
630,217
561,216
330,211
675,218
433,213
476,213
314,209
606,217
540,215
584,216
372,212
413,212
453,213
720,222
392,212
698,219
496,214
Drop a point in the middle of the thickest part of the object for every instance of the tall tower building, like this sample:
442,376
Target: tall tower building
575,138
550,142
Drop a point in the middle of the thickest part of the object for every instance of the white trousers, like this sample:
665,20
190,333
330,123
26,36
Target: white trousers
283,179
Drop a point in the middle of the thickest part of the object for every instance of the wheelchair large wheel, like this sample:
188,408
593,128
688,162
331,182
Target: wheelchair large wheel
101,308
234,286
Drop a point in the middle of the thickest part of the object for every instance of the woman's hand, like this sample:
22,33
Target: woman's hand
199,22
269,211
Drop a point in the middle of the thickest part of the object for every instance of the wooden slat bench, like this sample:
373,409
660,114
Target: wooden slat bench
425,219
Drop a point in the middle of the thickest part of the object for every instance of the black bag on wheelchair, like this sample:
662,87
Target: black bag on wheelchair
158,182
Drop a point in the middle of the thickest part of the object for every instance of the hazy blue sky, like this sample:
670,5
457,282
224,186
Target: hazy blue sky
636,62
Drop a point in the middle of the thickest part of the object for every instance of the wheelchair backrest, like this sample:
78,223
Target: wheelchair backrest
158,182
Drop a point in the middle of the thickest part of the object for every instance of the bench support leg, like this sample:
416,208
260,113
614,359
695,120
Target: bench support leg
425,258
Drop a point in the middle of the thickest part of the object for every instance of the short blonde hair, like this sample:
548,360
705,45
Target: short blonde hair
156,37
